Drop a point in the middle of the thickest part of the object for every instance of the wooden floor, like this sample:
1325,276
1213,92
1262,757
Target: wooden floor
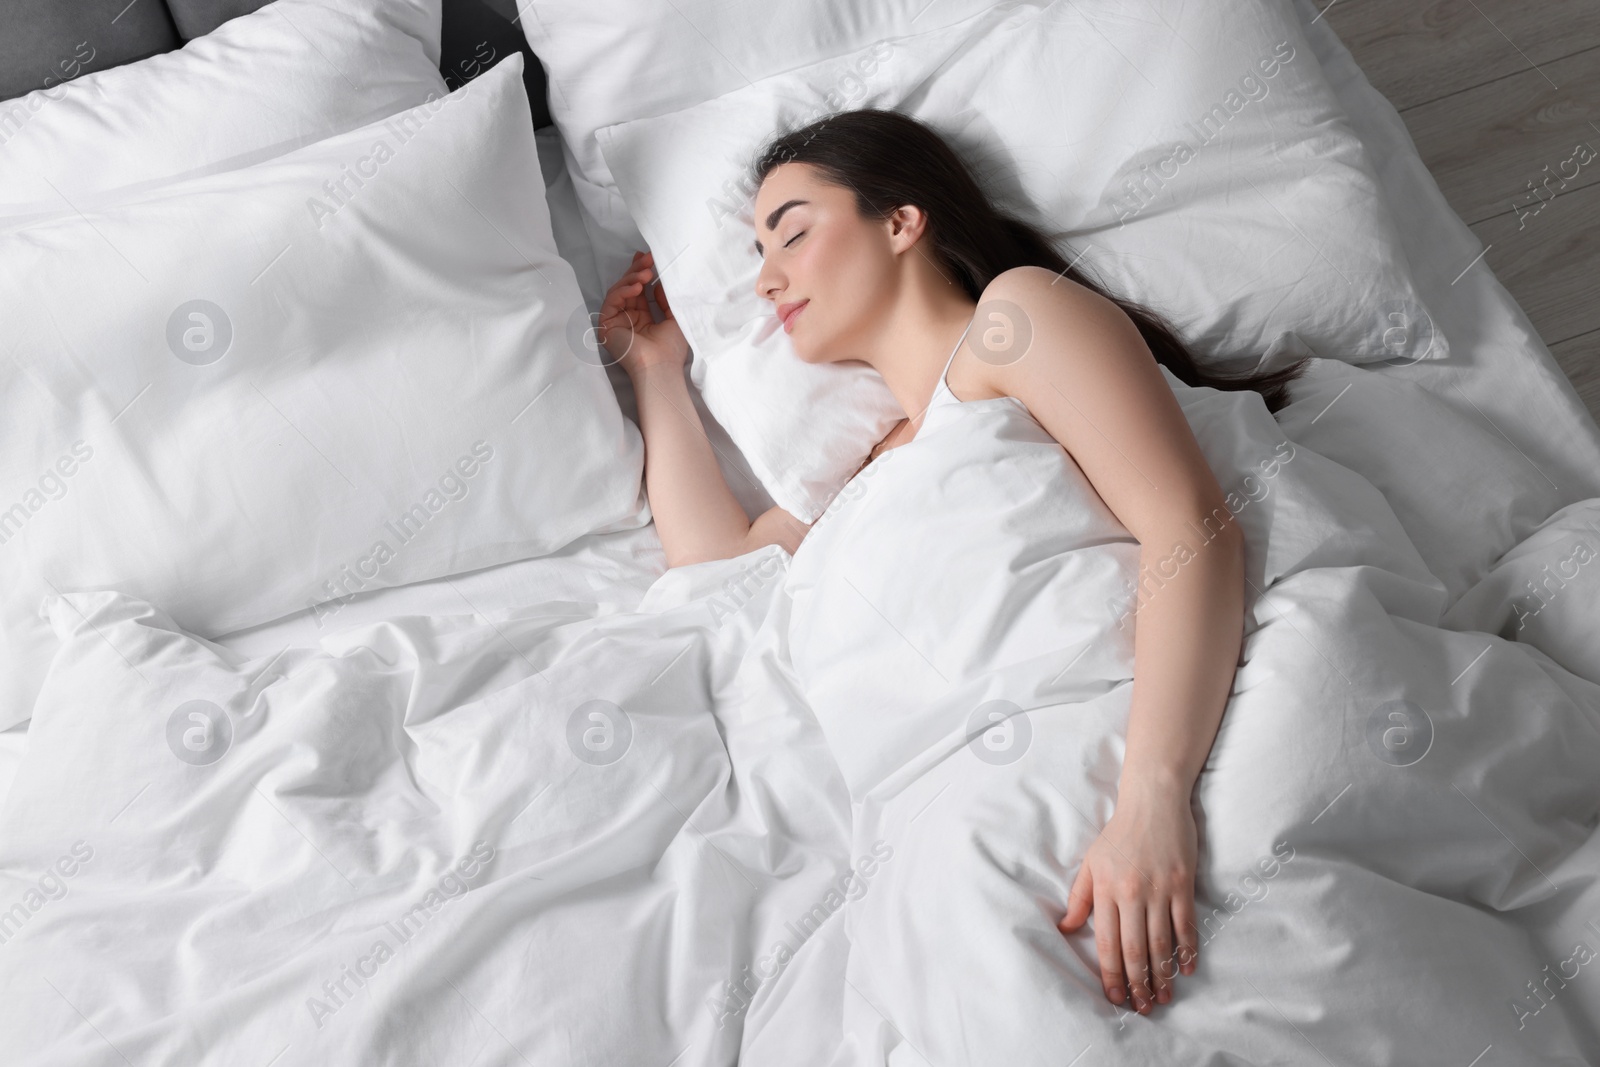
1502,98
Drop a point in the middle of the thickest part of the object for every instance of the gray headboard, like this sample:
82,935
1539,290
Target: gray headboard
43,42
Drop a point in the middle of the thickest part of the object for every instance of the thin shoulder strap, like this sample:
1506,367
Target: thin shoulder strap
954,350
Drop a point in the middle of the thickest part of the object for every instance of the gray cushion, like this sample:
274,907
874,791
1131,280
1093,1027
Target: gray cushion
477,34
196,18
43,42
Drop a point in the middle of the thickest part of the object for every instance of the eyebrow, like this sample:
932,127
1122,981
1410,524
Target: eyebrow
777,213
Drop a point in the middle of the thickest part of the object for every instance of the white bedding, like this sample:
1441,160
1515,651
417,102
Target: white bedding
1208,253
379,385
1499,373
1367,910
585,898
1384,800
1392,816
285,75
1500,378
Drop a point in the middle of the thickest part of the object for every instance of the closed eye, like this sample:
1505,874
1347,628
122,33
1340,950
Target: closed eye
762,252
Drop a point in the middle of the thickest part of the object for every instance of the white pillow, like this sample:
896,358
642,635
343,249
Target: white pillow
608,61
260,85
572,241
566,220
243,395
1276,227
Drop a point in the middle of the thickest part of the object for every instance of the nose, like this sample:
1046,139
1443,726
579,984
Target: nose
769,281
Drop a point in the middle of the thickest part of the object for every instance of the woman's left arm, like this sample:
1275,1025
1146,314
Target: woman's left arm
1089,379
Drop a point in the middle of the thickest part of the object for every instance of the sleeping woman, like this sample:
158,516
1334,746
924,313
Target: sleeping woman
878,246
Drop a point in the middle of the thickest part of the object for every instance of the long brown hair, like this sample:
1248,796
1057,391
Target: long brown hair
889,160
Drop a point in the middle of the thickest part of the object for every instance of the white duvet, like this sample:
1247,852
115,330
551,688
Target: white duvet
837,813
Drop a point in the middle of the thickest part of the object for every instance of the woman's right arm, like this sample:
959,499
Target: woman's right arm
696,514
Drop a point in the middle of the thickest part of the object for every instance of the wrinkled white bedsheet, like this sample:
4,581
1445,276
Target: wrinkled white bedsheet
432,840
1397,820
819,810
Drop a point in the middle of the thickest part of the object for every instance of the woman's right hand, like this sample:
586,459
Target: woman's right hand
627,329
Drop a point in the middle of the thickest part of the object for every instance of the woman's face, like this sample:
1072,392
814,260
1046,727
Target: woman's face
829,272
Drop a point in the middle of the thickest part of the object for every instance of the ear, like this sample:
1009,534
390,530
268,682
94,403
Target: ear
906,226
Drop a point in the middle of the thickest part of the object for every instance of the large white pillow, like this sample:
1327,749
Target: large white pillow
566,220
609,61
1274,229
244,394
260,85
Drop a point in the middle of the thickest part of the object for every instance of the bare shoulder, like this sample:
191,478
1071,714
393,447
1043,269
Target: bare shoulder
1082,368
1041,291
1030,312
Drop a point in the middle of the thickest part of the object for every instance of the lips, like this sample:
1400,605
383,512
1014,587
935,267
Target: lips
787,313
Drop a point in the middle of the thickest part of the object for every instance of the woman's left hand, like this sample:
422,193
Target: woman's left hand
1138,878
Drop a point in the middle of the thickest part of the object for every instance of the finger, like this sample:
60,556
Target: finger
629,285
1163,968
610,317
603,330
1108,943
613,318
1183,919
633,274
1080,898
642,277
661,298
617,295
633,300
615,303
1135,951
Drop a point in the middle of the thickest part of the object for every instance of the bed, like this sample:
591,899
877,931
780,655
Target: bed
523,794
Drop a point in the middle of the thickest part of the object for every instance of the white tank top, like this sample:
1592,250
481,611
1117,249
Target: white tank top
941,396
941,390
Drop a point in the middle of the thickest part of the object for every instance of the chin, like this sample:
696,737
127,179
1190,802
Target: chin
807,346
803,351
